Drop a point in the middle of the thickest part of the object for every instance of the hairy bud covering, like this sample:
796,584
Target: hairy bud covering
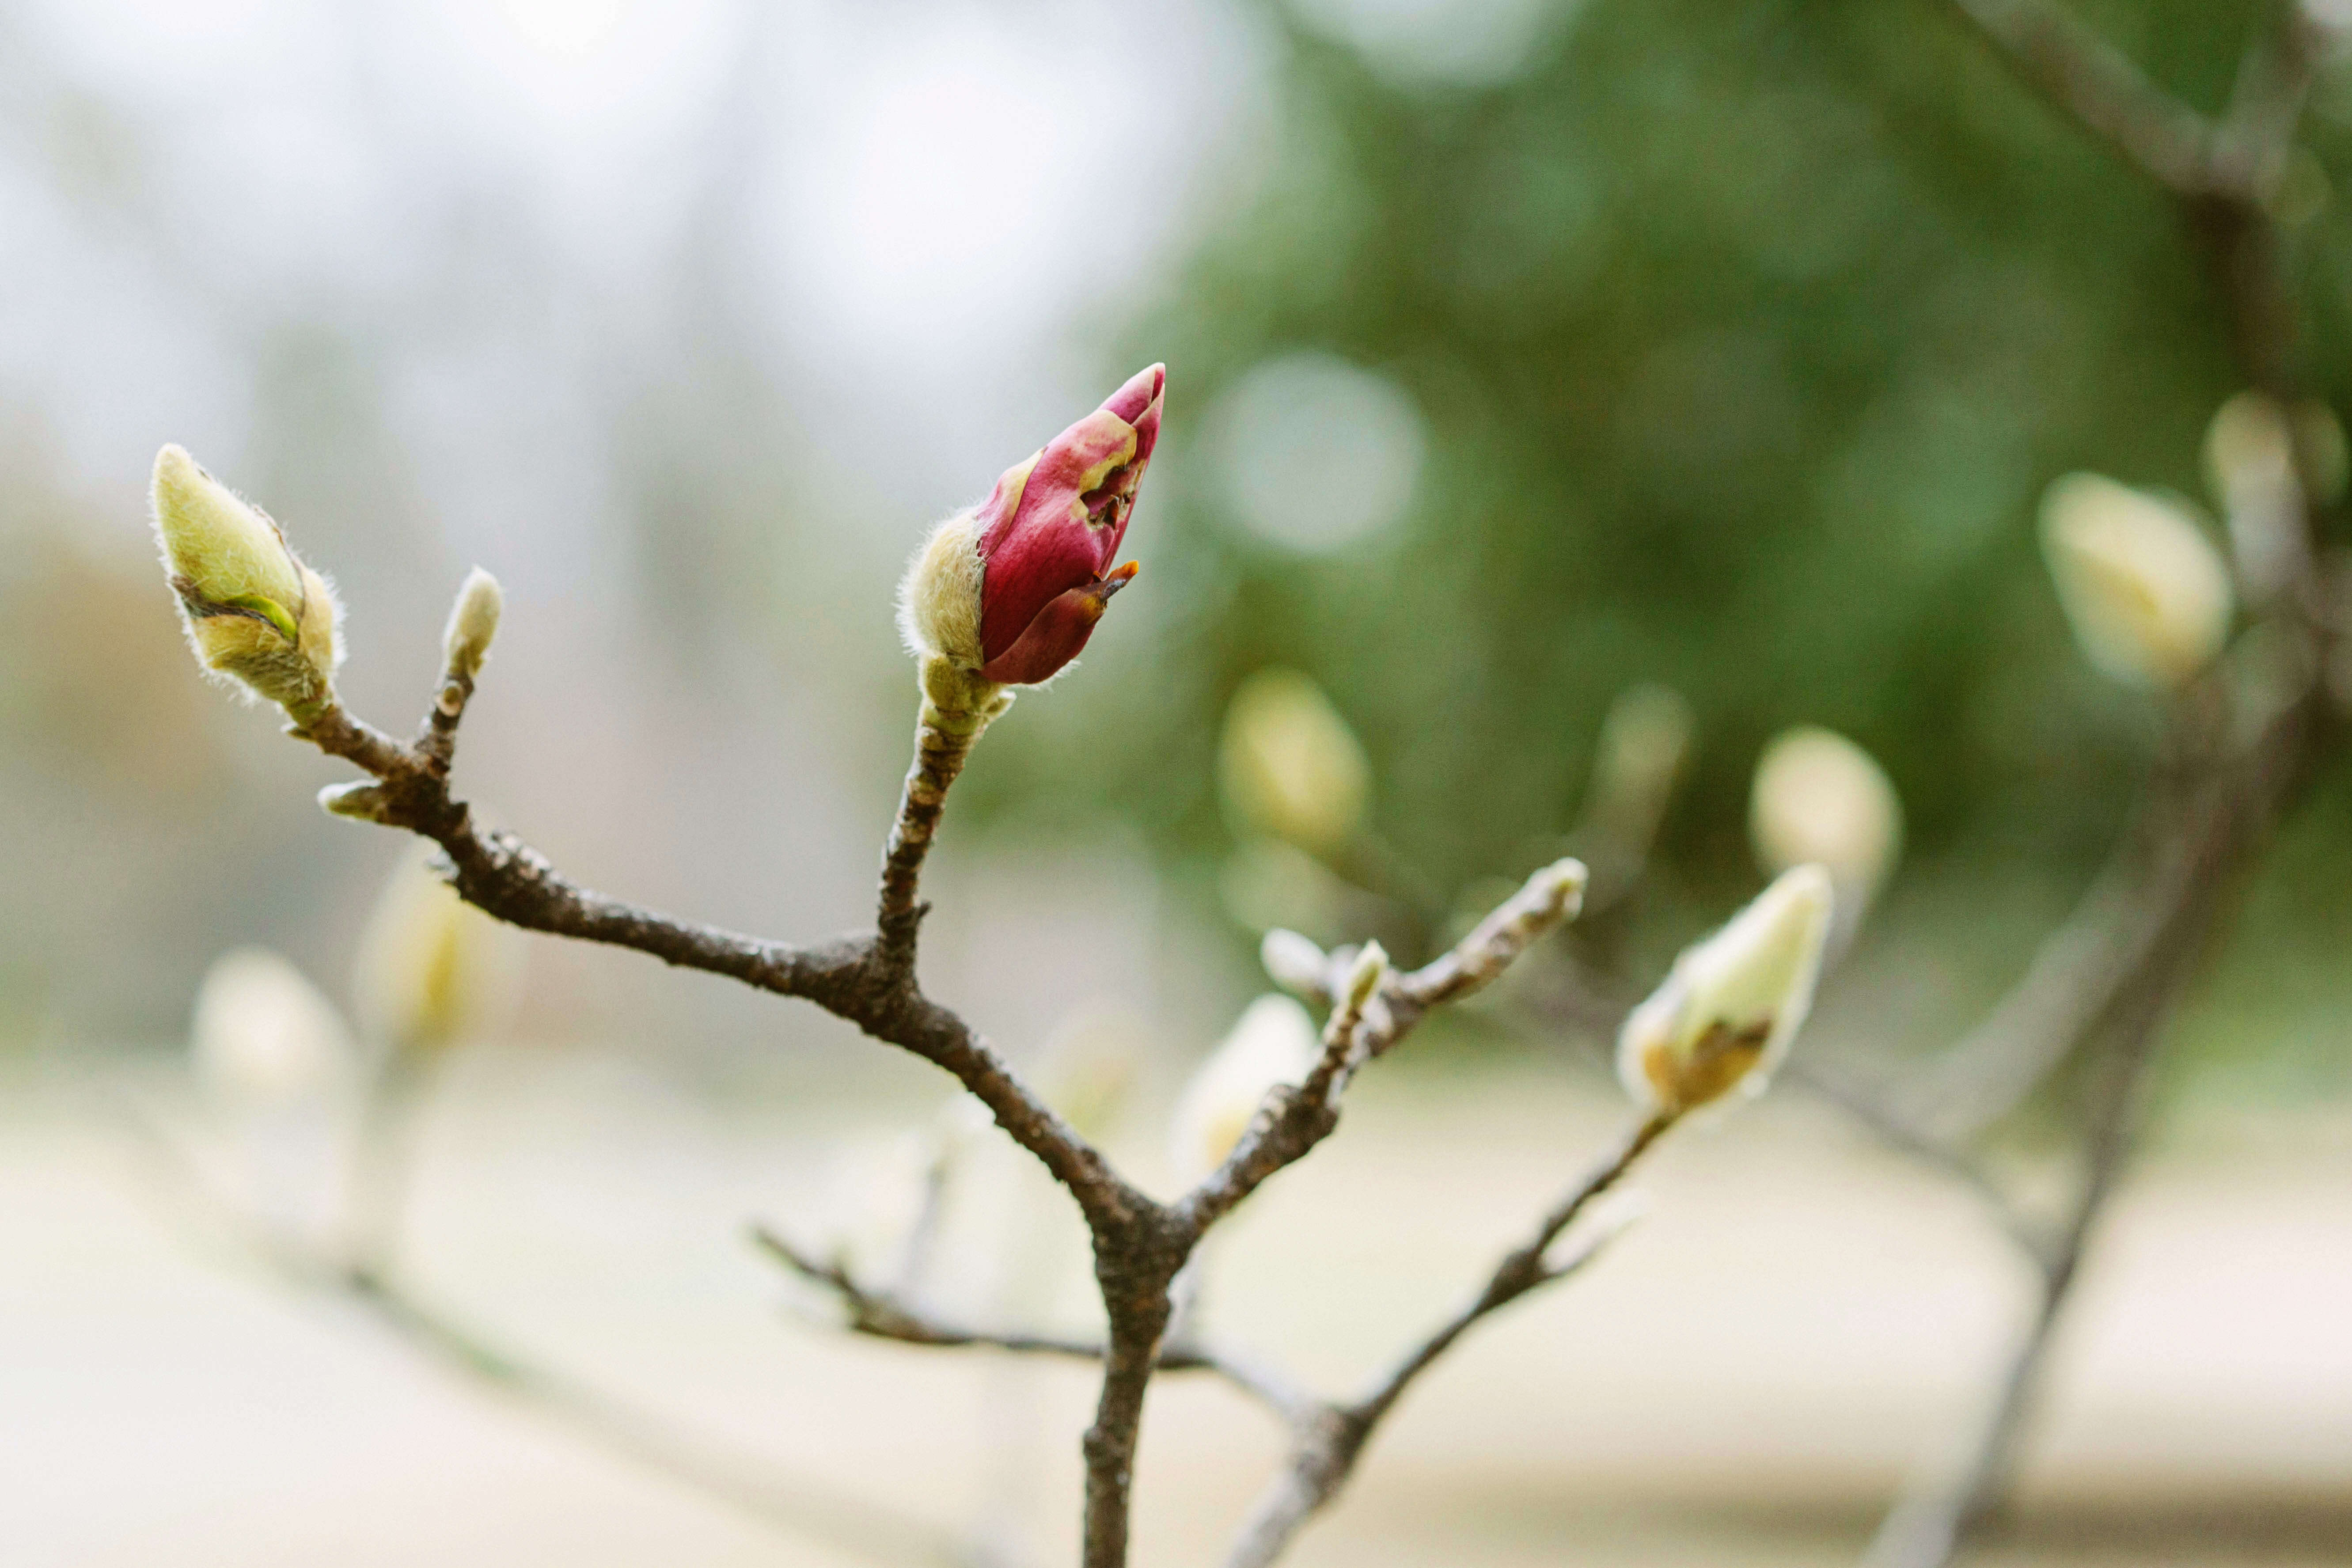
253,610
473,623
1732,1003
1010,589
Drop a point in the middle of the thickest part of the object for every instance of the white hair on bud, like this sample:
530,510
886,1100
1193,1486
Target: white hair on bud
472,624
1730,1007
939,598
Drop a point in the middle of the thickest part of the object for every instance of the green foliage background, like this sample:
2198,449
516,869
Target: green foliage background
1748,337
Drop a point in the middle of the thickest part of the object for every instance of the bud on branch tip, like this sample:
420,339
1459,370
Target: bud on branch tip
1010,590
1730,1007
2149,598
253,610
473,623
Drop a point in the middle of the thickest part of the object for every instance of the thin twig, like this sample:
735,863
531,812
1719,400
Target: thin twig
883,1315
1329,1439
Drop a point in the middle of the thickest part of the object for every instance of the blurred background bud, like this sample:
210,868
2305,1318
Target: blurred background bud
1273,1042
2146,594
1290,766
472,624
1645,740
2250,466
253,610
432,972
263,1038
1089,1068
1819,798
1729,1010
1295,962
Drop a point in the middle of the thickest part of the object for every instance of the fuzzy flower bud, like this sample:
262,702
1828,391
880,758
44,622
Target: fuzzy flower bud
473,623
1273,1043
432,968
1821,798
1010,589
1289,765
1296,963
253,610
1732,1003
263,1036
2148,597
1365,974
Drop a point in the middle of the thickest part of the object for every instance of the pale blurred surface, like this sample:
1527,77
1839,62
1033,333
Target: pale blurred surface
1522,354
1739,1382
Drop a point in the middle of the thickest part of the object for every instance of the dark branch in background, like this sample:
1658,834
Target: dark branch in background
2106,983
2089,78
754,1485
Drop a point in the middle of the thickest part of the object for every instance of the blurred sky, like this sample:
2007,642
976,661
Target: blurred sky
685,319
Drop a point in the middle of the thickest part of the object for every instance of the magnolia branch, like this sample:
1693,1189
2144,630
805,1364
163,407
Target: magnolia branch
867,979
1328,1437
883,1315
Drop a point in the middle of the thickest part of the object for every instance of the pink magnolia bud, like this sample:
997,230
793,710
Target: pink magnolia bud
1012,589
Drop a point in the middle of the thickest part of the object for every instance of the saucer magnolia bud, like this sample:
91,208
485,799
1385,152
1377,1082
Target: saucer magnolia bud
1731,1005
1821,798
263,1035
473,622
1289,766
1010,590
1364,975
1296,963
253,610
433,969
1275,1042
2148,597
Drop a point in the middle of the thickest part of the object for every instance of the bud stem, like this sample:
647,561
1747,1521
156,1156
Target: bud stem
958,706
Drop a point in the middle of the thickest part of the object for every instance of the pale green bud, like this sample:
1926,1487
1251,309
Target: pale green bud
1275,1042
1818,798
1365,974
253,610
1645,740
433,971
263,1036
1296,963
2149,598
2250,464
1730,1007
362,801
1290,766
473,623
